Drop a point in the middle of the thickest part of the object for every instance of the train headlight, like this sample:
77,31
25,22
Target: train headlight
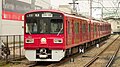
29,40
58,40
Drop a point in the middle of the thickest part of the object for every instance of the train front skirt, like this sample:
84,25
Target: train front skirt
56,55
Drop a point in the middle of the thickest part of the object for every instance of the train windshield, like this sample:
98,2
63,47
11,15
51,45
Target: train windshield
43,24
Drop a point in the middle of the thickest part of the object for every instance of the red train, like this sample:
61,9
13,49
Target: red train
50,35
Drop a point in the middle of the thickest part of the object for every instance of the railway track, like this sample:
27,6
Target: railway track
113,57
108,57
42,64
54,64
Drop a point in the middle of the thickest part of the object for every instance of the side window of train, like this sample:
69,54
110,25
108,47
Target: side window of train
95,28
77,31
68,27
109,27
98,27
89,28
76,27
83,27
103,28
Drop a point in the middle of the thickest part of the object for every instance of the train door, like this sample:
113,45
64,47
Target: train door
83,31
95,30
98,30
76,31
69,32
73,35
92,31
80,29
89,31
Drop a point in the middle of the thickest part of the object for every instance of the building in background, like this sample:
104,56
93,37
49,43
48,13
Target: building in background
65,8
12,11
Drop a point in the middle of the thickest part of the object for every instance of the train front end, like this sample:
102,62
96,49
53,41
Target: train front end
44,36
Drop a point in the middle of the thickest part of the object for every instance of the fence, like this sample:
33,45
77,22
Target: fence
13,47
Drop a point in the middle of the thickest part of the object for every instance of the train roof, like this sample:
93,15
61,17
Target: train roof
65,14
58,11
48,10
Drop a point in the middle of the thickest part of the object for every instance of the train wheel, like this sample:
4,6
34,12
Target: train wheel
71,59
68,52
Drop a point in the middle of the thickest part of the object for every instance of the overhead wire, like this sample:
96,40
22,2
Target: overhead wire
102,6
107,9
117,8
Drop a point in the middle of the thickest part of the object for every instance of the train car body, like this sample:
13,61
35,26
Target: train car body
50,35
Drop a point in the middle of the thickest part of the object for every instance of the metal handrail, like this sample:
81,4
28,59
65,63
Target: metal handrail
13,43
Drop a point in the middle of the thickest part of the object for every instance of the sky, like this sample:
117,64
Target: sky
84,6
56,3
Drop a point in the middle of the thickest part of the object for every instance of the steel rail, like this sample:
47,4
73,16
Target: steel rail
111,60
32,65
70,58
97,56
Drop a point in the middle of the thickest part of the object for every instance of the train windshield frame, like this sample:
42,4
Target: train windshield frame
44,23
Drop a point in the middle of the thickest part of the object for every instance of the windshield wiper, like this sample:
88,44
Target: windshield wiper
60,31
29,32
